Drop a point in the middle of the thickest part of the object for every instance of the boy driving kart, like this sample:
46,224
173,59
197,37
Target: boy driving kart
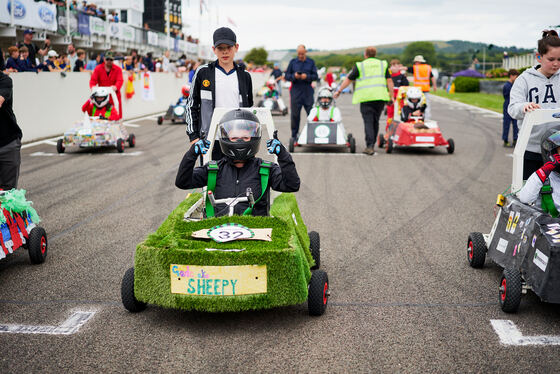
98,105
325,111
239,170
185,90
415,104
543,186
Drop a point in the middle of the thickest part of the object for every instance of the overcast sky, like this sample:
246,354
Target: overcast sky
335,24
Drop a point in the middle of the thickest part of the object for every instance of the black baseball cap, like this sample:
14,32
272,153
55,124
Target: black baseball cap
224,35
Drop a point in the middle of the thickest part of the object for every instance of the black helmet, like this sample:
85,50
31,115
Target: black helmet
240,134
549,144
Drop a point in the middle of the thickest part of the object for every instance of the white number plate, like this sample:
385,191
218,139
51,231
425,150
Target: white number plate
229,232
425,139
321,140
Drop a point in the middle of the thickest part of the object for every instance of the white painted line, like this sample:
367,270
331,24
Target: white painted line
137,153
37,154
130,125
509,334
49,142
463,105
46,154
39,142
68,327
328,154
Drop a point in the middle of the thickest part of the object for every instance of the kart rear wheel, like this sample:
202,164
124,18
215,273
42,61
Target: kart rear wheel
511,288
476,250
37,245
315,248
120,145
285,111
380,141
353,145
389,145
318,294
131,140
60,146
291,145
160,120
451,146
127,293
172,120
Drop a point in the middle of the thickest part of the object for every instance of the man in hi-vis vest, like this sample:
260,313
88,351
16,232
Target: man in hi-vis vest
422,74
374,87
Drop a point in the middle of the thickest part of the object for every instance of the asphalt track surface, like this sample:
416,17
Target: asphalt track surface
393,232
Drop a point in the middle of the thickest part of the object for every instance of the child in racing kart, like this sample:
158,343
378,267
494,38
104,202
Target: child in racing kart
272,91
239,138
325,111
415,104
185,90
98,105
543,186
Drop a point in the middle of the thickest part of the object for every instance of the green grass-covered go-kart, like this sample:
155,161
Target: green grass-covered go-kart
230,263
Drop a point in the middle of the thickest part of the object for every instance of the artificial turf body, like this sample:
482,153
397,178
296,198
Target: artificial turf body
286,257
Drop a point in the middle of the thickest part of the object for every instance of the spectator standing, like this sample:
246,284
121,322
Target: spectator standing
423,75
108,75
34,51
374,87
301,72
165,62
10,137
64,63
95,58
23,62
278,76
72,56
79,65
51,63
148,62
399,79
12,65
512,76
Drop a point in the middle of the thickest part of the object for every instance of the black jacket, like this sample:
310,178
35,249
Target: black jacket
200,106
9,129
233,181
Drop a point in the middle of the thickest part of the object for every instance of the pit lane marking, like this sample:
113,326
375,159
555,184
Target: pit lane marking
68,327
509,334
47,154
329,154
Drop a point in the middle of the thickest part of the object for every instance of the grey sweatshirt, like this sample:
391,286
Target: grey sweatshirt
533,86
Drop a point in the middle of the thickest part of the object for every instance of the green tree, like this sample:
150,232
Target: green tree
257,56
425,49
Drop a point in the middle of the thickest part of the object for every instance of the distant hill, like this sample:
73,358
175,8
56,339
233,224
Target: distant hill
450,46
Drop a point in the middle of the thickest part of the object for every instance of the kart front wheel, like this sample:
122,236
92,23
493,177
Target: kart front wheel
127,293
315,248
291,145
476,250
60,146
380,141
37,245
511,288
451,146
160,120
352,145
131,140
318,294
120,145
389,145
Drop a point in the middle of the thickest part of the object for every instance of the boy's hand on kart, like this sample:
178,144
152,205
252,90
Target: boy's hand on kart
274,146
529,107
549,166
201,147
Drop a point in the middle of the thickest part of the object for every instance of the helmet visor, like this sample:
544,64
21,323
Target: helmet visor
240,130
555,139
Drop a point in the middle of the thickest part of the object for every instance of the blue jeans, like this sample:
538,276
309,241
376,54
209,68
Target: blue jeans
505,133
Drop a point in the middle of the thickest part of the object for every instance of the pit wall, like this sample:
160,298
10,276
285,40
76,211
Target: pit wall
47,104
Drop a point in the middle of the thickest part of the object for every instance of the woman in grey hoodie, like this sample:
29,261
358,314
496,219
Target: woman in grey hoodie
537,87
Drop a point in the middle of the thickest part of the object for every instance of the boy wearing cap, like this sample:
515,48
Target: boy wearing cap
221,83
108,74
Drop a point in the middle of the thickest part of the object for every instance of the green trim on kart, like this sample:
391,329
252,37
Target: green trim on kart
287,258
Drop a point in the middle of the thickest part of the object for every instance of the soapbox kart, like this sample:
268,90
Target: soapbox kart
416,133
524,240
275,105
96,132
18,227
229,263
323,134
176,113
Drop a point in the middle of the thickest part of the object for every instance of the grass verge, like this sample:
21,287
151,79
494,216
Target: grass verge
493,102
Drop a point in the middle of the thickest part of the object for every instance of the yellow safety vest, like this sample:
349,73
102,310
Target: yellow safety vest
371,84
422,76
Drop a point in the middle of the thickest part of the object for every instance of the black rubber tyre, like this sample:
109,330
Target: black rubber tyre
291,145
476,250
37,245
120,145
451,146
511,287
380,141
285,111
318,294
132,140
127,293
353,145
60,146
315,248
160,120
389,145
